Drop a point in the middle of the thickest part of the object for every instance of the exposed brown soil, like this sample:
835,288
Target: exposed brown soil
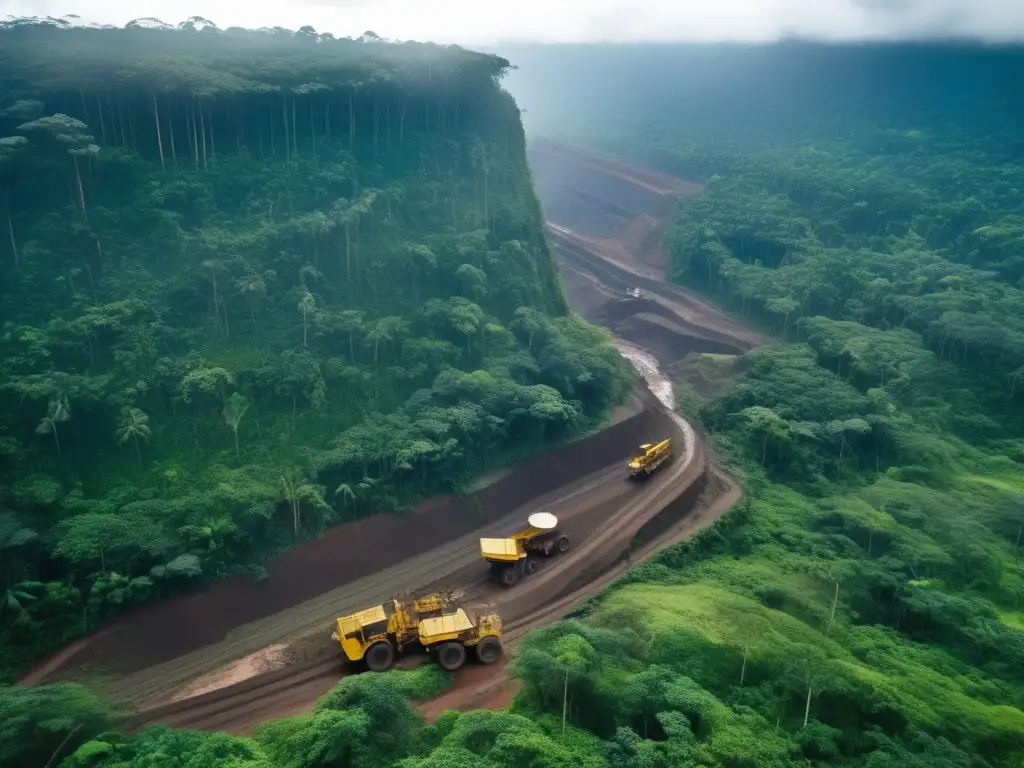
167,657
164,631
606,219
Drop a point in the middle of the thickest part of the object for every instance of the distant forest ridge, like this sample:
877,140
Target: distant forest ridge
775,91
53,55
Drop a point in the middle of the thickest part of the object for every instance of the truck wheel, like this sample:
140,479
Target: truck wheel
530,567
510,576
562,544
451,656
380,656
488,650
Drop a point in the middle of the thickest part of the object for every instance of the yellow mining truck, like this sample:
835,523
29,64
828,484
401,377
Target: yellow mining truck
517,555
651,457
434,623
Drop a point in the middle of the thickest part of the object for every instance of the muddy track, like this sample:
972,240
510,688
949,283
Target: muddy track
602,515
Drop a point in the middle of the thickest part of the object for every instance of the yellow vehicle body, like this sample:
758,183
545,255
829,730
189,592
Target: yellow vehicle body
511,549
377,634
517,555
651,456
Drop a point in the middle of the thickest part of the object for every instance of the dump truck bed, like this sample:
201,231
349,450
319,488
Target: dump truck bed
502,550
509,550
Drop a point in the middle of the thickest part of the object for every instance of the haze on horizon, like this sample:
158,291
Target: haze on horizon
488,22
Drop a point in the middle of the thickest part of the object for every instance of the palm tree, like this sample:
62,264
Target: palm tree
291,482
347,494
134,425
58,411
16,595
214,529
233,412
306,306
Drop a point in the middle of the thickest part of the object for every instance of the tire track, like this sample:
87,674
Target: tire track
533,601
429,569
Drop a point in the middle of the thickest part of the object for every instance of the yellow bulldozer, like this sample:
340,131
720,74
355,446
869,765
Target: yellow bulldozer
651,456
517,555
434,622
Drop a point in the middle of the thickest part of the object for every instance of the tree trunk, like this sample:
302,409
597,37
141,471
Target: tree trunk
835,600
284,119
376,128
295,132
195,138
170,126
60,746
56,439
565,695
138,451
14,244
807,707
103,125
216,300
159,138
81,192
486,192
120,122
209,124
234,428
312,131
351,124
202,132
252,315
743,670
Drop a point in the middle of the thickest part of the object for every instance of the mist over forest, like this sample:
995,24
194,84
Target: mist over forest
765,93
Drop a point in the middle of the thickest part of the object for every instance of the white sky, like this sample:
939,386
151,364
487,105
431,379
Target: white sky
485,22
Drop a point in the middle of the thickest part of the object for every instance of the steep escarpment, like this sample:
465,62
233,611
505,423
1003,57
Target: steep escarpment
254,283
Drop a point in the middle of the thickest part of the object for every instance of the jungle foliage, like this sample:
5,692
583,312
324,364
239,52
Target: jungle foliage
863,606
253,283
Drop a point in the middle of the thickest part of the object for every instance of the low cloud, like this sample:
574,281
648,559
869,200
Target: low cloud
485,22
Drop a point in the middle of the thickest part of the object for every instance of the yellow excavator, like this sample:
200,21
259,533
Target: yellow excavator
651,456
517,555
434,622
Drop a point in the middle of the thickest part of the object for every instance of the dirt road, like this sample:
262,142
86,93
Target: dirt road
179,661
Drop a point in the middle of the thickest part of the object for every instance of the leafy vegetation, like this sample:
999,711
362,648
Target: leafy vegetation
253,283
862,607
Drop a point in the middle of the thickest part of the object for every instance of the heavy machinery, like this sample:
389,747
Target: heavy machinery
517,555
434,622
651,456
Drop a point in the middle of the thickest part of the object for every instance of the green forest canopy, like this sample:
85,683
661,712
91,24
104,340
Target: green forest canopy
253,283
863,607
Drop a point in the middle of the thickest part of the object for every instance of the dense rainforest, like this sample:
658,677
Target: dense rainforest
253,283
864,606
